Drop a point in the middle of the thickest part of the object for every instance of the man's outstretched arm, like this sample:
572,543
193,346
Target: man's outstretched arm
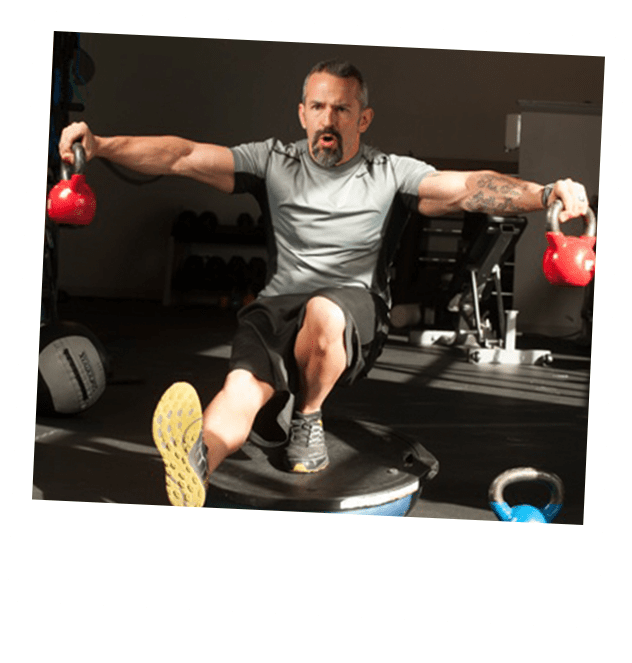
155,155
493,193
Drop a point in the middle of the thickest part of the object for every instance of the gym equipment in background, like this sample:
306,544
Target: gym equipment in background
72,369
258,270
72,364
213,263
184,226
72,68
71,201
488,338
568,260
245,220
525,513
50,270
208,222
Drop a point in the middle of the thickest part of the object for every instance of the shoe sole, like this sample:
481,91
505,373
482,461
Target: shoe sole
176,427
300,468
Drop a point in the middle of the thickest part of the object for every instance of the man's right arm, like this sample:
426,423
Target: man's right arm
155,155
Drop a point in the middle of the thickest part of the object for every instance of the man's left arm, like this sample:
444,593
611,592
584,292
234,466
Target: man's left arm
485,191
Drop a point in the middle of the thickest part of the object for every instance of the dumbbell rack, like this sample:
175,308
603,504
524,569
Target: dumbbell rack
227,242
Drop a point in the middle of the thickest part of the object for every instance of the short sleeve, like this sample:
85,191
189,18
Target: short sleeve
252,158
409,172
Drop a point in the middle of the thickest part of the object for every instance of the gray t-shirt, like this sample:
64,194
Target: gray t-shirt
330,226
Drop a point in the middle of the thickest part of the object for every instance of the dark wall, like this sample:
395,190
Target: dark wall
436,104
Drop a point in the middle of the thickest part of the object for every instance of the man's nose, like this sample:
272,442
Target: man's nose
328,116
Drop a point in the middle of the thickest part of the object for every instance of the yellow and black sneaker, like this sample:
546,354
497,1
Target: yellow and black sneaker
306,451
177,433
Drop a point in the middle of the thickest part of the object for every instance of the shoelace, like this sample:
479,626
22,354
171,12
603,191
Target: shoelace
314,429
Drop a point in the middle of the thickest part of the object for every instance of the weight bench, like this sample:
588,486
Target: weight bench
477,274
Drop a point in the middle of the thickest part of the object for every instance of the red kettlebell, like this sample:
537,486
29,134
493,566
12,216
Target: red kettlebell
71,201
569,260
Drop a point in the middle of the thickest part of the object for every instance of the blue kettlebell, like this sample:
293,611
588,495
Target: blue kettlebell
525,513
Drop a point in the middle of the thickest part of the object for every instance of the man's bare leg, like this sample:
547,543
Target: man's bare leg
229,417
320,352
321,358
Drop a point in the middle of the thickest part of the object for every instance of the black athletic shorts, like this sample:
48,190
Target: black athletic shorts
267,330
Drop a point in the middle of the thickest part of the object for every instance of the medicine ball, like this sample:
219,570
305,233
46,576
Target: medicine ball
72,369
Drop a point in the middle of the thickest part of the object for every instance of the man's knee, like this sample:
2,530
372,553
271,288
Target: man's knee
241,385
324,322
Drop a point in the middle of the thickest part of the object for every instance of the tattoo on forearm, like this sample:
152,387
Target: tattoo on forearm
496,194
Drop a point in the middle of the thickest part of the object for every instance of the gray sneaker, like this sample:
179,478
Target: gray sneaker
307,451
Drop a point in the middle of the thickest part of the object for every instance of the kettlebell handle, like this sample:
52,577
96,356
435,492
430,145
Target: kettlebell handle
553,223
519,474
80,162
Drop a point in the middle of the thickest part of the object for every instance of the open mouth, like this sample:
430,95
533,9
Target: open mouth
327,147
328,140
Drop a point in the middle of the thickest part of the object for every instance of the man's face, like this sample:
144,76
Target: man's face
333,118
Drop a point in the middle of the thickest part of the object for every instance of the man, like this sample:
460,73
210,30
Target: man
333,208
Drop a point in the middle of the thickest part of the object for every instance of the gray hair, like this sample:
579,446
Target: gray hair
341,69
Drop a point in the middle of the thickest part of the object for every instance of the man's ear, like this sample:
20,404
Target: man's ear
301,115
366,117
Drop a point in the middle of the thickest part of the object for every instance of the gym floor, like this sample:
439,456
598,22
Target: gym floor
477,420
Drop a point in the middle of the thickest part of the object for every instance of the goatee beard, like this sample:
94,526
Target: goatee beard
325,156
